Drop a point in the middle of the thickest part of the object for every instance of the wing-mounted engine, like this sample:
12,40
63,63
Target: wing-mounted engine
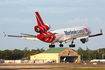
42,29
84,40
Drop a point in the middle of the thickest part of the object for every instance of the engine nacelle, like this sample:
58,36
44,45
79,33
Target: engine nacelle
42,29
84,40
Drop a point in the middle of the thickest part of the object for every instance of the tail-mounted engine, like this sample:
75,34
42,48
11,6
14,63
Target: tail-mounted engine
42,29
84,40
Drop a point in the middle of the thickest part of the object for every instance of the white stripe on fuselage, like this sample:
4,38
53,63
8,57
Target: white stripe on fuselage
68,33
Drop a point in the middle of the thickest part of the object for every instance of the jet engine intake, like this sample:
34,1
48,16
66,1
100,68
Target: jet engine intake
84,40
42,29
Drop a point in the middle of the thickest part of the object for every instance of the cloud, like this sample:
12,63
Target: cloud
97,20
15,20
78,21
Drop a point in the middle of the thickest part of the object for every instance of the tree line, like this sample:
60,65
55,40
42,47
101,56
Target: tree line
91,54
19,54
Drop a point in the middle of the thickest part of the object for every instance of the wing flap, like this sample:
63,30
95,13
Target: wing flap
31,38
71,39
24,37
82,37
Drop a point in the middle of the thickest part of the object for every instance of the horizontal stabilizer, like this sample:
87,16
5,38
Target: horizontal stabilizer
49,35
28,35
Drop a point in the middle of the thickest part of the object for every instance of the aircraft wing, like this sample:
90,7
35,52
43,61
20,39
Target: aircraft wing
91,35
71,39
28,36
97,34
24,37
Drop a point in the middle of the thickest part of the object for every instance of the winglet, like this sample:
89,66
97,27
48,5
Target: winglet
4,34
101,31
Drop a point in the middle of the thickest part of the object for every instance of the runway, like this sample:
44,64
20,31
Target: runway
30,67
50,66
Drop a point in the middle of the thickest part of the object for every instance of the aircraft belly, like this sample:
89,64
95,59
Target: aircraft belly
59,38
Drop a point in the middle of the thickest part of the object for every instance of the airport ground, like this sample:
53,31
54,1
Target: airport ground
53,66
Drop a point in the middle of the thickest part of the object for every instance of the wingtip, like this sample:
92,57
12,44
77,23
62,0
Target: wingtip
3,33
101,31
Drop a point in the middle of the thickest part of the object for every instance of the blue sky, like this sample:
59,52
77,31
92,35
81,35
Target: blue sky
18,16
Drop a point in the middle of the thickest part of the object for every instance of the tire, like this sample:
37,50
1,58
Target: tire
72,45
61,45
51,46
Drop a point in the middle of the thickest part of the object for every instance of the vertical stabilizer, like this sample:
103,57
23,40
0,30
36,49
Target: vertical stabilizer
39,20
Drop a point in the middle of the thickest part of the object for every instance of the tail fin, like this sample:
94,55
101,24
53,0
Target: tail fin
39,20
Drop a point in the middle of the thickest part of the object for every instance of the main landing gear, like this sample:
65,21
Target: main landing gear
72,45
51,46
61,45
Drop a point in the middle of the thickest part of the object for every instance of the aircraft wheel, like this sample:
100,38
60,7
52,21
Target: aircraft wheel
72,45
61,45
51,46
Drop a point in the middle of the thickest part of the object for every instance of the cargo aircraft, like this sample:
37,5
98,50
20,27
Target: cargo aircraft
60,35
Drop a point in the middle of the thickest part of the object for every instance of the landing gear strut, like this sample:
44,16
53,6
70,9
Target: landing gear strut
61,45
51,46
72,45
